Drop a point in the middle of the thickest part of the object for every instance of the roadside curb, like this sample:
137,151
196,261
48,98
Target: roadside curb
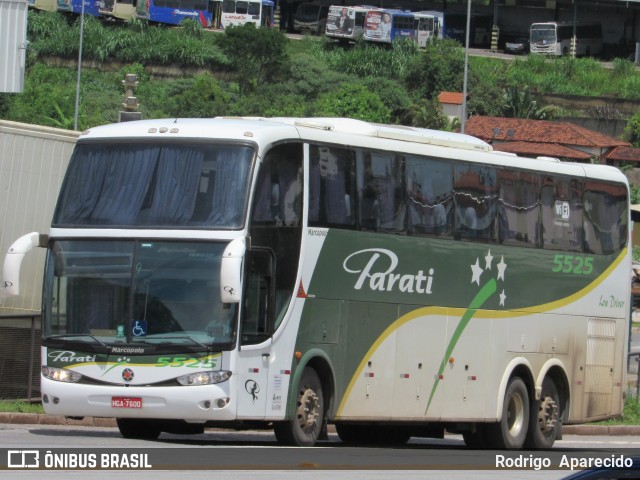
43,419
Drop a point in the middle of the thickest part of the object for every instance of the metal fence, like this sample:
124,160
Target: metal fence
20,357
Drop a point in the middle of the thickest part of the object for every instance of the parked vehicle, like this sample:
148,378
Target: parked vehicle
311,17
519,45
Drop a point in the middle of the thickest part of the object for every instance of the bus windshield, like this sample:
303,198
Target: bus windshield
177,185
543,35
156,293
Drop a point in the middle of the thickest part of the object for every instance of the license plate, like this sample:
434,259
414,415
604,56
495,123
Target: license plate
126,402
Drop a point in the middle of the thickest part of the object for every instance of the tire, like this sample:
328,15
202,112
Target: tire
304,429
139,429
544,422
511,431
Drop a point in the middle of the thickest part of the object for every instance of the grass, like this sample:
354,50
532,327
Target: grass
19,406
630,414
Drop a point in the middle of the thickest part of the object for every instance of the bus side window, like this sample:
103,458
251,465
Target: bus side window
331,187
605,217
430,197
562,223
519,208
476,198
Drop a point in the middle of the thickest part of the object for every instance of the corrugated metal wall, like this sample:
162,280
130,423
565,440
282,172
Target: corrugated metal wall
13,43
33,160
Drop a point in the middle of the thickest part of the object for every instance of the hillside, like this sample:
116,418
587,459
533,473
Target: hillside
248,71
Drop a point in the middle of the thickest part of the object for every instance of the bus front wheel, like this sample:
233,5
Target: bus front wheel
544,424
511,431
304,429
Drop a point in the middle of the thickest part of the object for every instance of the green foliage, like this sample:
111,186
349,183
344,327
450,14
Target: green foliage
520,103
632,130
367,60
440,68
198,97
20,406
623,67
271,101
354,101
393,95
427,113
51,35
258,55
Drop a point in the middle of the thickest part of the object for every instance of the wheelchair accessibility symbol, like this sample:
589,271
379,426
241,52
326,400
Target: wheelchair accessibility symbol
139,328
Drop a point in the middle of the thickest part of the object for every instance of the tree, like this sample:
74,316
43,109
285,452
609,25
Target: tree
632,130
353,101
520,103
439,69
427,114
258,55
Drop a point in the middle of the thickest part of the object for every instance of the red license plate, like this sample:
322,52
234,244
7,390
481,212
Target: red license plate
126,402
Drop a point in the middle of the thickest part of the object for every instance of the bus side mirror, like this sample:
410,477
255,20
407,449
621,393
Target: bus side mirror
13,261
231,270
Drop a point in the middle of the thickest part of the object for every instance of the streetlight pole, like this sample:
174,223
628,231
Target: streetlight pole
75,116
466,69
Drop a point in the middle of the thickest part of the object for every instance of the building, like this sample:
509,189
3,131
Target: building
451,104
543,138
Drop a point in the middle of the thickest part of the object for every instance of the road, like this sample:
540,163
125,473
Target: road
257,456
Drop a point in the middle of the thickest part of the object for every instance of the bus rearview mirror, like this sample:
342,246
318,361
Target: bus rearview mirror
231,270
13,261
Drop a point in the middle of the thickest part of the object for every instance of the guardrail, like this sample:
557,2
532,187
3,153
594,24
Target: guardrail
20,355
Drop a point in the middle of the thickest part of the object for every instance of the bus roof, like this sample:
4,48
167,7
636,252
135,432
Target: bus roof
346,132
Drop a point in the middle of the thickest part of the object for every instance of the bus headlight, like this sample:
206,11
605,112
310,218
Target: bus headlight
60,374
204,378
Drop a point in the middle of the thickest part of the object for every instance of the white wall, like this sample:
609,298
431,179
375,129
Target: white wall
13,43
33,160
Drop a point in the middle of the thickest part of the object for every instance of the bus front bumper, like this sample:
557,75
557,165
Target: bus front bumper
191,403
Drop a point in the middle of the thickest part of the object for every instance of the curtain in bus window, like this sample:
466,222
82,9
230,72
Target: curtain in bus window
232,170
605,217
430,196
561,202
176,186
331,187
108,187
381,192
476,200
519,208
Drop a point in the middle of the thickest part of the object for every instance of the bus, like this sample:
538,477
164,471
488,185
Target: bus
239,12
291,273
121,10
387,26
347,23
311,17
91,7
555,38
173,12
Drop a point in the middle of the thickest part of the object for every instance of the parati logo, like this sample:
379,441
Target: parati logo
379,273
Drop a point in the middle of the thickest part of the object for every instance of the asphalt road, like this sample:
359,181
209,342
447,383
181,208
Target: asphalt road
256,455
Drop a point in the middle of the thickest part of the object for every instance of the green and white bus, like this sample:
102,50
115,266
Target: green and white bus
292,273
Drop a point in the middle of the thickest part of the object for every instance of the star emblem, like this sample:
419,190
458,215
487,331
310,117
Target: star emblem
476,272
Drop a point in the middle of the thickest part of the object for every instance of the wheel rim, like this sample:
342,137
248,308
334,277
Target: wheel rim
547,415
515,415
308,408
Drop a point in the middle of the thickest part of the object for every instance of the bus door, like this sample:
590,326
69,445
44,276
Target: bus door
266,18
256,328
215,9
424,29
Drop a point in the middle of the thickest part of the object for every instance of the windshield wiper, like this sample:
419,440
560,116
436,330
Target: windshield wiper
177,337
79,335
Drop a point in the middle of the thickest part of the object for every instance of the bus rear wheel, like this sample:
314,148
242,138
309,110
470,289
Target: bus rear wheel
511,431
304,429
139,429
544,424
